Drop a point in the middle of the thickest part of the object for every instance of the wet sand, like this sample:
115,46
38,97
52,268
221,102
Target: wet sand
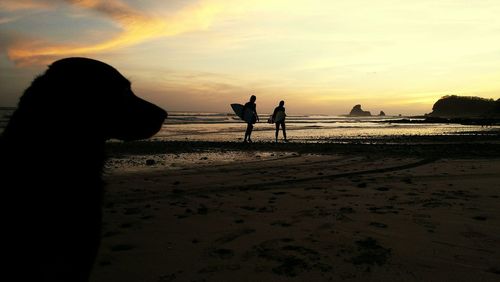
223,212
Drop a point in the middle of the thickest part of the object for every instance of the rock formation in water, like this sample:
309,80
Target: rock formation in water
358,112
382,114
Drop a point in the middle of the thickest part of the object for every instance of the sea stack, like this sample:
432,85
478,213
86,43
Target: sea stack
358,112
382,114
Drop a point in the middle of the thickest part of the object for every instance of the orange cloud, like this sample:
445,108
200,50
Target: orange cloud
15,5
137,27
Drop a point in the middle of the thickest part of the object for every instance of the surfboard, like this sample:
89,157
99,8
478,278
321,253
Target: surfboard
270,119
238,110
247,115
280,116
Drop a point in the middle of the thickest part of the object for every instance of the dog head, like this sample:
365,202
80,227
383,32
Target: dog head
81,97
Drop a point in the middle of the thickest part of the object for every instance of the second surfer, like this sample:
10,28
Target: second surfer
278,118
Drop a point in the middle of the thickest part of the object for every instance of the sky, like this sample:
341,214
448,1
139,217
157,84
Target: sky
321,57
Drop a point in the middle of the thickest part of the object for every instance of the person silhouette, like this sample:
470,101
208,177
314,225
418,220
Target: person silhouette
250,117
279,119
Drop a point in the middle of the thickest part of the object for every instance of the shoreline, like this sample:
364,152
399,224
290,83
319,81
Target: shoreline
483,146
480,121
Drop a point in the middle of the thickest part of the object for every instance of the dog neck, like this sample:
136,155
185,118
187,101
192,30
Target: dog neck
27,143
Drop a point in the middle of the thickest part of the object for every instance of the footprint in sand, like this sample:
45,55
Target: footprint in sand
281,223
383,189
234,235
370,252
121,247
222,253
378,224
362,185
289,259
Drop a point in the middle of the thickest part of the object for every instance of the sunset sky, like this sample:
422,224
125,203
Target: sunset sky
399,56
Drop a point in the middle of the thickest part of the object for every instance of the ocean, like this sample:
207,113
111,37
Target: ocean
302,128
198,126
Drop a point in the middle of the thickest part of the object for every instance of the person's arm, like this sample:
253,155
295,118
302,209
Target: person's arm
256,115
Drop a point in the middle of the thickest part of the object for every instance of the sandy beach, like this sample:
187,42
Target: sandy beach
223,211
250,141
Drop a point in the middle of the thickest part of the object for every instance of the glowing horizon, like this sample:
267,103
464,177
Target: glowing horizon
202,55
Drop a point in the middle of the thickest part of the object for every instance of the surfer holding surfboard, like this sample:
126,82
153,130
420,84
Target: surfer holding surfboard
279,119
249,115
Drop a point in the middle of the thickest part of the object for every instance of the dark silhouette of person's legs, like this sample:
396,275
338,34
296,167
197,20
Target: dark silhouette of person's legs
284,130
277,131
248,133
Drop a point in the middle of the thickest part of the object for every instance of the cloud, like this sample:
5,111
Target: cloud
16,5
4,20
137,27
7,38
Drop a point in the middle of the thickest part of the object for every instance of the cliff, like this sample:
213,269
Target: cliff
465,106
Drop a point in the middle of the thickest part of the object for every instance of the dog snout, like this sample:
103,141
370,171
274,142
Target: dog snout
140,120
162,114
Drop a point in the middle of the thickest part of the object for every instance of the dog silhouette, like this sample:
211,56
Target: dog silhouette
52,157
